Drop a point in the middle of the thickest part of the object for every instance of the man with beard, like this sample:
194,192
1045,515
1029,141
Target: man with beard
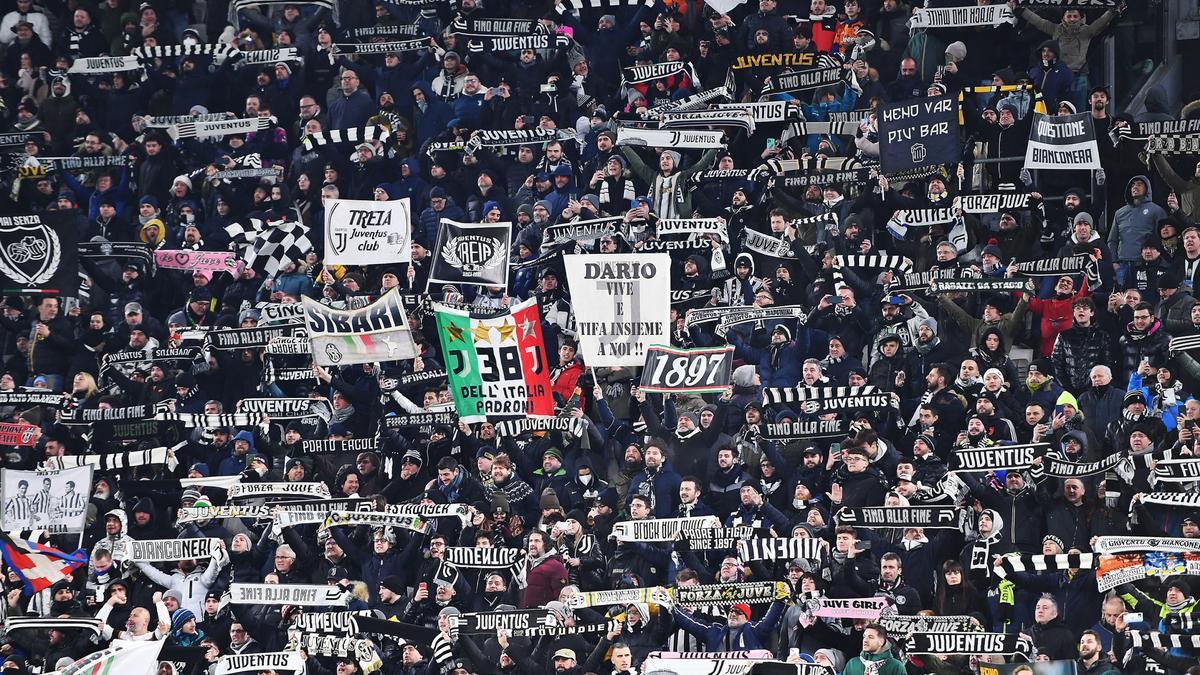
896,321
1077,348
928,351
725,479
192,584
1016,500
658,481
690,444
778,362
999,429
890,584
1145,340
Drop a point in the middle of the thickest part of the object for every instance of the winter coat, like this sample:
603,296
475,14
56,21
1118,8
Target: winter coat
545,582
1073,39
719,637
1076,350
1153,346
1133,222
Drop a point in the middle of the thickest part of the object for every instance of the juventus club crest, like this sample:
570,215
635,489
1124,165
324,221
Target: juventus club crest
39,252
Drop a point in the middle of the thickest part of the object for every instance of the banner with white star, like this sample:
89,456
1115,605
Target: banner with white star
496,366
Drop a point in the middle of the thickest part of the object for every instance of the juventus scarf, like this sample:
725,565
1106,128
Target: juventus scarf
1043,563
690,102
376,519
661,529
921,281
510,621
217,129
817,399
151,457
899,626
1056,467
1174,145
22,398
905,219
623,596
962,17
219,51
485,558
431,510
997,457
513,43
1113,545
663,138
397,46
163,121
411,420
77,163
780,548
193,420
698,119
766,244
823,129
351,135
766,111
997,202
300,490
720,595
331,646
846,608
928,517
487,28
581,230
720,174
333,446
328,623
781,668
165,550
488,138
127,413
14,623
1184,343
967,643
104,64
690,226
801,80
1173,499
1164,640
1178,470
1054,267
514,428
874,261
734,316
718,538
193,514
653,71
977,285
805,430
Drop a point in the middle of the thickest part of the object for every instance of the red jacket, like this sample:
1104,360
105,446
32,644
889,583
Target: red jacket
545,582
1056,316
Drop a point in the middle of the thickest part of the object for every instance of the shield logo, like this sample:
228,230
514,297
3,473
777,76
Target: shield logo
31,253
334,354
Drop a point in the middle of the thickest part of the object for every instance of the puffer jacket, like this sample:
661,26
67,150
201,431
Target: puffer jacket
1075,351
1153,346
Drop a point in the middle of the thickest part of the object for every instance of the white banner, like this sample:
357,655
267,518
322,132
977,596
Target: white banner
661,529
170,550
364,232
962,17
1062,142
377,332
699,666
54,500
276,661
305,595
312,490
673,138
628,307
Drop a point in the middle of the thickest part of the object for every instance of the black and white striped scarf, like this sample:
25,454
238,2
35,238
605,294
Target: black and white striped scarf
40,623
192,420
1164,640
700,119
152,457
488,138
219,50
352,135
1044,563
397,46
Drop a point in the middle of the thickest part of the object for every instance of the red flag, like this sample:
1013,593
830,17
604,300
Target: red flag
38,565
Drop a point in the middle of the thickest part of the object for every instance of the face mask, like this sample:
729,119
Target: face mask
586,480
190,41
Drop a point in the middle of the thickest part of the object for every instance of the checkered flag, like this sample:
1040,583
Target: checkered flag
245,232
277,245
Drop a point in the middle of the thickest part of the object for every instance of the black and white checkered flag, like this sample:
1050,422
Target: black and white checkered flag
243,233
278,245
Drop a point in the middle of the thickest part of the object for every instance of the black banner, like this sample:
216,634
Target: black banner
967,643
319,447
489,622
687,370
977,285
996,457
413,420
801,80
471,254
806,430
252,338
934,517
918,133
39,254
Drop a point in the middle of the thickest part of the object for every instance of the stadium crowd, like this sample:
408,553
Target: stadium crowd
1081,362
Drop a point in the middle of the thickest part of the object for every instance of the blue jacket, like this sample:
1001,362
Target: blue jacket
346,112
666,490
1054,82
432,120
430,220
717,637
469,109
233,464
789,365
